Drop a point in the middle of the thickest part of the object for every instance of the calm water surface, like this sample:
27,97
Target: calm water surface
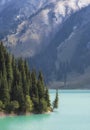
73,114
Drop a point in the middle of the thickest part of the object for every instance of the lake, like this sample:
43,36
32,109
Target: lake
73,114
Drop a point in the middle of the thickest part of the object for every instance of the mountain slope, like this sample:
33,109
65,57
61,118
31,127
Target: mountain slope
29,26
53,36
69,51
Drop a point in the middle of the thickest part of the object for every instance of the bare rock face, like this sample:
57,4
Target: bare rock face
68,53
28,26
54,35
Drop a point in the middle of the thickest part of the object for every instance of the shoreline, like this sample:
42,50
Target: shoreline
3,114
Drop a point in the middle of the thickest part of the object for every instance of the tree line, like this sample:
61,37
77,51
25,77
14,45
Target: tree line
21,90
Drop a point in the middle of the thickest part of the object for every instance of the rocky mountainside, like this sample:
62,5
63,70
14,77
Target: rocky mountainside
28,26
54,36
68,55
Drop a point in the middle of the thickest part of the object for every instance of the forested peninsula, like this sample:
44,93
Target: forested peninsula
21,90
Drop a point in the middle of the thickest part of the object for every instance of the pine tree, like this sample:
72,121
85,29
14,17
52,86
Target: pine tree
13,106
20,89
40,89
34,89
47,98
28,104
43,95
9,70
42,106
21,67
40,85
4,91
1,105
17,90
55,103
28,76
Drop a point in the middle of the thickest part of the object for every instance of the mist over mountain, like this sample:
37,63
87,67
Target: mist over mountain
54,36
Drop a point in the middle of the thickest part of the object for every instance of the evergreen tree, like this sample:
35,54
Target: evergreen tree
20,89
42,106
4,91
36,105
28,76
47,98
55,103
13,106
17,90
1,106
40,89
9,70
21,67
40,85
34,89
28,104
43,94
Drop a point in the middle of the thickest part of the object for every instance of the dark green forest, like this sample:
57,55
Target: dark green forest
21,90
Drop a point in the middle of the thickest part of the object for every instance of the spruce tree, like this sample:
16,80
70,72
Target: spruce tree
55,103
28,76
1,105
4,91
34,89
42,106
21,67
9,70
47,98
43,103
13,106
17,90
40,85
20,89
28,104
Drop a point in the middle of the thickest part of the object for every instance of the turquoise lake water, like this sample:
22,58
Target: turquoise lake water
73,114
